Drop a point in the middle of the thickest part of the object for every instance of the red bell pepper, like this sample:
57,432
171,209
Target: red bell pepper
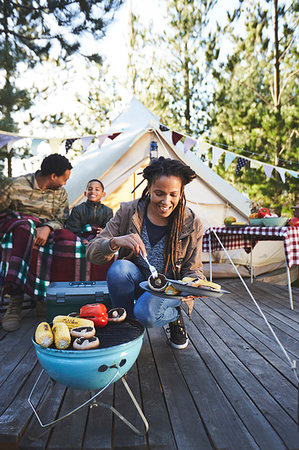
263,212
97,312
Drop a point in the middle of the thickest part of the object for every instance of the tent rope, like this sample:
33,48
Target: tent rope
292,363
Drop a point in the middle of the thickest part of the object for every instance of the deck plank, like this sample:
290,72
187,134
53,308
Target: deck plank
124,437
209,347
187,425
160,435
225,348
231,388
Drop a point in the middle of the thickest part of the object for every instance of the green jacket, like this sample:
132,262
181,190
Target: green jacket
88,213
22,194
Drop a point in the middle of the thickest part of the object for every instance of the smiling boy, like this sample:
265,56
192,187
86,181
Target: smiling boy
92,212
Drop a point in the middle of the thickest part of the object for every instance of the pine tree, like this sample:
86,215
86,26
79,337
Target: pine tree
30,31
255,107
167,70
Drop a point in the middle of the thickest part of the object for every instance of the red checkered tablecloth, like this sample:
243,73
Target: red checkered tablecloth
247,237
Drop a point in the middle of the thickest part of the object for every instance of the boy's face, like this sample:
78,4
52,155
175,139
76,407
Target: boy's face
94,192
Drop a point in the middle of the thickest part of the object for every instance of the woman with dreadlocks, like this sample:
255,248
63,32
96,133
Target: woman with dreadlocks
161,227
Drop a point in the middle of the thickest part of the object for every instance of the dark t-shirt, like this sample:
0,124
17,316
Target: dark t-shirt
155,232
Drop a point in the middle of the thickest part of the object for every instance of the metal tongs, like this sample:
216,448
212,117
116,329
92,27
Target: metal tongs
152,269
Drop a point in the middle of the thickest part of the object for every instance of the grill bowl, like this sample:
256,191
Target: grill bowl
93,369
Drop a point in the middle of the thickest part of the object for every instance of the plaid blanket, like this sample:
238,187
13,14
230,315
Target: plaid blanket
32,268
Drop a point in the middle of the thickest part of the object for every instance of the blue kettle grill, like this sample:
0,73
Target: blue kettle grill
95,370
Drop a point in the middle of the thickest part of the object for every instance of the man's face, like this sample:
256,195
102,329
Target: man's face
57,182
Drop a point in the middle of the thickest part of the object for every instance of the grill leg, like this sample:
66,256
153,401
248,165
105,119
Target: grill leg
91,399
129,424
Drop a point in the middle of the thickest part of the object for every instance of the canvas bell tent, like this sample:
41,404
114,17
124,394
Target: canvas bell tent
135,136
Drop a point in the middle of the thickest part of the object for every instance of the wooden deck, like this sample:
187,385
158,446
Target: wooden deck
232,388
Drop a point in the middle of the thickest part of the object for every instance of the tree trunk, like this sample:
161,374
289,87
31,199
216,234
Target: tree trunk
277,104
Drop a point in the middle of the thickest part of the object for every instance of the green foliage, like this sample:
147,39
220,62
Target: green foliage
167,71
249,112
31,30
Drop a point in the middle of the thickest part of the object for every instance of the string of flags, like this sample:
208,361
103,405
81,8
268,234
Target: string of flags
217,152
9,139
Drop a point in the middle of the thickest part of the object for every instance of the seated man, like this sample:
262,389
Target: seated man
31,206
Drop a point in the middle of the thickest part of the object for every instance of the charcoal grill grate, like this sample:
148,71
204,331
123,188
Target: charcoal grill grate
119,333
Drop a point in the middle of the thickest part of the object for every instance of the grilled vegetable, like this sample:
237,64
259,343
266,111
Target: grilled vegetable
199,283
43,335
62,336
97,312
170,290
73,322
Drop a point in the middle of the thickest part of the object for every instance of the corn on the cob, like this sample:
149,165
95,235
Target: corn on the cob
199,282
43,335
62,336
73,322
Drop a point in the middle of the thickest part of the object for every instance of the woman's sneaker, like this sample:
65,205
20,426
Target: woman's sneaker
178,336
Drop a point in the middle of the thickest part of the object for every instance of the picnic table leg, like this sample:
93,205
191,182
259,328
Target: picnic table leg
210,258
251,268
289,283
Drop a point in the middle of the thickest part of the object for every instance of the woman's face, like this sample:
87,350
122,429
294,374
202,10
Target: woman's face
165,194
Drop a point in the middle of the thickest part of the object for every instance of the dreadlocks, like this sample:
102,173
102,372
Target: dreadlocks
169,167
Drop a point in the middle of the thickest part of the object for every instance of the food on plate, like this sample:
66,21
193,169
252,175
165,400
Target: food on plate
198,282
85,332
159,283
62,336
294,222
117,315
43,335
73,322
86,343
229,220
170,290
262,212
96,312
254,216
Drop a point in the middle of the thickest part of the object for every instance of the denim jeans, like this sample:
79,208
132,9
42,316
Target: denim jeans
123,280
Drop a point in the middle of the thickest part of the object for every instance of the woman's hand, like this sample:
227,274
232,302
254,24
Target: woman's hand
132,241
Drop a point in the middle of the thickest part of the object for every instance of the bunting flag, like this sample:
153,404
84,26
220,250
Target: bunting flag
54,144
216,153
113,136
163,128
268,169
11,142
282,173
188,144
34,144
255,164
68,144
293,173
203,147
86,141
176,137
241,162
228,159
101,139
7,138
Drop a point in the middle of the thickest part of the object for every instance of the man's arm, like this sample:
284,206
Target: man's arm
5,196
61,212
